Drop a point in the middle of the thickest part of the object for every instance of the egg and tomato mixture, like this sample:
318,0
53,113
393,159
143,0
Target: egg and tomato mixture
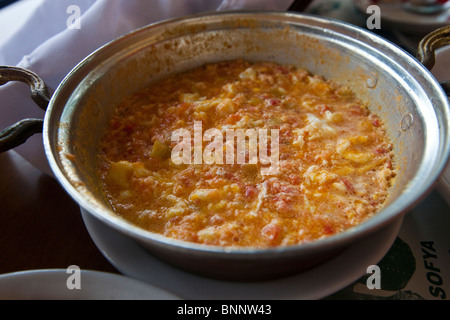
335,160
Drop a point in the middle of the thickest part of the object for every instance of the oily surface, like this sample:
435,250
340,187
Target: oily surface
334,171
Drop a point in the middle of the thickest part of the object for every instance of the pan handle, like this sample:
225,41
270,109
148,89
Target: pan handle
427,49
19,132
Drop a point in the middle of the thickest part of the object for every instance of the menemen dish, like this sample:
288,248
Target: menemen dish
246,154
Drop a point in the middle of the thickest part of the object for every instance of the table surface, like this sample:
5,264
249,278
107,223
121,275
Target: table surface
40,225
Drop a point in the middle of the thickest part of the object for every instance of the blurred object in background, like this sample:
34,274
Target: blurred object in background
300,5
395,16
4,3
427,6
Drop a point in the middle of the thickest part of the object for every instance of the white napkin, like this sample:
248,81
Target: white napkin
52,41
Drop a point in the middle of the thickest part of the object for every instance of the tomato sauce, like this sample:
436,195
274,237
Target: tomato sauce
336,164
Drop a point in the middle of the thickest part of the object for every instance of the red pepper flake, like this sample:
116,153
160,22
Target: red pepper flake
380,150
383,149
376,122
389,164
250,192
271,232
273,102
233,118
328,229
348,185
295,179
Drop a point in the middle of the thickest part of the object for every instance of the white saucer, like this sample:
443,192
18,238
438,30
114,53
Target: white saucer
51,284
133,261
393,15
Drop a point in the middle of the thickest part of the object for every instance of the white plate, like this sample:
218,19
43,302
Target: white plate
393,15
441,72
51,284
133,261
